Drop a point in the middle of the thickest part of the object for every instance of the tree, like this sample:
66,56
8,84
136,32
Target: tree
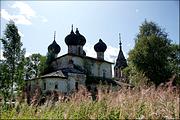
50,57
35,65
4,81
135,77
151,52
42,66
13,65
174,63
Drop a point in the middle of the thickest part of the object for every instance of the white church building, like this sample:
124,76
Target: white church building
65,73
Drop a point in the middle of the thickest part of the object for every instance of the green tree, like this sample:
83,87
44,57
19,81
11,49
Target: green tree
35,65
4,81
151,52
50,57
43,66
135,77
174,62
13,65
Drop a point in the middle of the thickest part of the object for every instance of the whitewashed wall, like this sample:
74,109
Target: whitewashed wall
95,67
51,82
64,85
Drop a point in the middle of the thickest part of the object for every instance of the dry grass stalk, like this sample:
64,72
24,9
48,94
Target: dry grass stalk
142,103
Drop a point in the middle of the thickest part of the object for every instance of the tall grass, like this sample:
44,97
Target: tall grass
141,103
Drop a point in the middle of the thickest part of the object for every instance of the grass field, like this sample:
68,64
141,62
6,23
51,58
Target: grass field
140,103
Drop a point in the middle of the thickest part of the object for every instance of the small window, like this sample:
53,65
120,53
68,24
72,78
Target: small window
116,73
121,73
56,86
104,73
44,86
76,85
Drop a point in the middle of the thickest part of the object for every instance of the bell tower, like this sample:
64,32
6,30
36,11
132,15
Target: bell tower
121,62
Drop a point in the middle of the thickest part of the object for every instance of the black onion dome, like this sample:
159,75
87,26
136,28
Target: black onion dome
71,39
100,46
80,38
54,47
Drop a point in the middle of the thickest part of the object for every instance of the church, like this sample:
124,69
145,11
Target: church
66,73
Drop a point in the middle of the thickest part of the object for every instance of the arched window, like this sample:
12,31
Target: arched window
104,73
30,87
121,74
56,86
76,86
44,86
116,72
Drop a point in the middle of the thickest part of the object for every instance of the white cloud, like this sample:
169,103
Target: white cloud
43,19
5,14
24,15
89,49
1,54
110,54
28,54
18,19
20,33
24,9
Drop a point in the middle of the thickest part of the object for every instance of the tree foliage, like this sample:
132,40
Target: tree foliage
4,81
50,57
135,77
12,68
151,53
35,65
174,59
174,62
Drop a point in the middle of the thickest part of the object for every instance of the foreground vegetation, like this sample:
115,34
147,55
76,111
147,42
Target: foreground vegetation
143,103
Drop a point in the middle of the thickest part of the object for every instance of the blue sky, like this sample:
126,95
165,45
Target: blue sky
37,21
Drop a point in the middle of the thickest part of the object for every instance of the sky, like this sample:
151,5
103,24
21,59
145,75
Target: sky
37,21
